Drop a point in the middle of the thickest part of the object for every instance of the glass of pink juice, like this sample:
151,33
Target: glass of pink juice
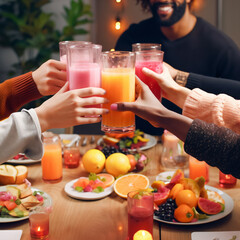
154,61
140,212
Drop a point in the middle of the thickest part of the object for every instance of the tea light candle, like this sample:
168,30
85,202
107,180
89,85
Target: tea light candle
142,235
39,225
71,157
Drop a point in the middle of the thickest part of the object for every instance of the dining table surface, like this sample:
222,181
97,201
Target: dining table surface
106,218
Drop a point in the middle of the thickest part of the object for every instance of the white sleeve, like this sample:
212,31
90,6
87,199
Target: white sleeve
21,133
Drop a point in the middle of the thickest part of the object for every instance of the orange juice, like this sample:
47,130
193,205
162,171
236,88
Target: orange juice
52,162
119,84
198,169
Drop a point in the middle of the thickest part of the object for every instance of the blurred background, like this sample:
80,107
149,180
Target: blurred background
31,29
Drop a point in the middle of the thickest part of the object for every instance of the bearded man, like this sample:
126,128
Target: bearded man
189,43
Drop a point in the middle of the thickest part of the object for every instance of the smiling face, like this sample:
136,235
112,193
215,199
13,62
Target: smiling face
168,12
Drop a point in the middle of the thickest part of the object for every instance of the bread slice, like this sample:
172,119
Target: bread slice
22,173
30,201
25,190
8,174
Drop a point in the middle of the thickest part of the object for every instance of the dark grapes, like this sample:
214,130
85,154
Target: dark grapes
108,150
166,211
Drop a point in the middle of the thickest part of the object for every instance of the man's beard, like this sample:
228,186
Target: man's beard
178,12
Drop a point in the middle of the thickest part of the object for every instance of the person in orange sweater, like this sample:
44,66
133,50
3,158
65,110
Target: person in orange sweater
48,79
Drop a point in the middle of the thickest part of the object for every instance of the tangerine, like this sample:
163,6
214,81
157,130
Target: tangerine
175,190
183,213
186,197
132,161
130,182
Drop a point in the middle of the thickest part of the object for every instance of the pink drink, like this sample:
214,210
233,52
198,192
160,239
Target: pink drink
139,219
82,75
152,83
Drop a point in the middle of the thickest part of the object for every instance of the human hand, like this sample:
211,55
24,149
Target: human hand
50,77
173,71
67,109
170,89
146,106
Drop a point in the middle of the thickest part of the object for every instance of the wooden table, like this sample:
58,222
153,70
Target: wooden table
105,219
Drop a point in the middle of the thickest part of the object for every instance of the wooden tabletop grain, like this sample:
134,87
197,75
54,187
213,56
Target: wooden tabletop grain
104,219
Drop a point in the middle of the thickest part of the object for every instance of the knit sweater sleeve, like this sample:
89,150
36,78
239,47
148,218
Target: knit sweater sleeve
16,92
218,146
221,109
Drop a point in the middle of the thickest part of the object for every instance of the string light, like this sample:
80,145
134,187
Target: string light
117,23
118,1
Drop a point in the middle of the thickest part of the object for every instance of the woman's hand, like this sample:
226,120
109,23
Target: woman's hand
67,109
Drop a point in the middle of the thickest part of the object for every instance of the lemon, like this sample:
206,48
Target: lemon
117,164
93,161
142,235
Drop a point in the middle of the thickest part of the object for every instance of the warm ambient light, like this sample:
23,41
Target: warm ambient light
118,1
117,24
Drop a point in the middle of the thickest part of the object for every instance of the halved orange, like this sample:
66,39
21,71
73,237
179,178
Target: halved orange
108,179
130,182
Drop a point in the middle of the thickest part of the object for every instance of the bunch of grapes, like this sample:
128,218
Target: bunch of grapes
166,210
108,150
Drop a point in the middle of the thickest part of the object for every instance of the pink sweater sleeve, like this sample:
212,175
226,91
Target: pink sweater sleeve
221,109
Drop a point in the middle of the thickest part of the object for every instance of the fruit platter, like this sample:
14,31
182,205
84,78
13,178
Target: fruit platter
93,187
21,158
184,201
17,200
131,140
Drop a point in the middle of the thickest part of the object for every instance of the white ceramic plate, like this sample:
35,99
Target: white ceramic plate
151,143
72,138
165,176
86,195
229,204
47,202
23,161
220,235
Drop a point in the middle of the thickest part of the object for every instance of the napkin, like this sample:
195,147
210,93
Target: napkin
10,234
228,235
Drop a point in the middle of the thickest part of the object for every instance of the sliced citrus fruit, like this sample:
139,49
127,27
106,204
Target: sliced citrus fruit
157,184
214,196
106,178
110,140
161,195
130,182
209,207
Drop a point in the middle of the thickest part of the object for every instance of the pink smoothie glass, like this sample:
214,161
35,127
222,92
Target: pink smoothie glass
151,59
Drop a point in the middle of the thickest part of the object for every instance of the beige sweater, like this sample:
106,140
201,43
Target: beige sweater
221,109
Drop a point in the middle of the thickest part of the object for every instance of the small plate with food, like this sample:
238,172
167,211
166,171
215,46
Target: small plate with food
17,200
21,158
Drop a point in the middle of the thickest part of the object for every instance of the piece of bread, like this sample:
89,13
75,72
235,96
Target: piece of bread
30,201
8,174
22,173
25,190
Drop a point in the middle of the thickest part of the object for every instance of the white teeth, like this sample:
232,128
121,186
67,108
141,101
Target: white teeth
164,9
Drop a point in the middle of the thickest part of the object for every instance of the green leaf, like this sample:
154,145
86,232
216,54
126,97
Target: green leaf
37,192
18,201
79,189
98,189
19,212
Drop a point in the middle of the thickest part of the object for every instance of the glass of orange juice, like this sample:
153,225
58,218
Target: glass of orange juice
52,158
198,169
118,79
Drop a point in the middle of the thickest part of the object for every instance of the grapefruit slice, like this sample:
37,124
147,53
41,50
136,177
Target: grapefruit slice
161,195
107,179
130,182
209,207
214,196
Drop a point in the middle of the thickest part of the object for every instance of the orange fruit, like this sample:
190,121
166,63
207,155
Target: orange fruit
132,161
117,164
186,197
157,184
107,179
130,182
142,235
175,190
93,161
183,213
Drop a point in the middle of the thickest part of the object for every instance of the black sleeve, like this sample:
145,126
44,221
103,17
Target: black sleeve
214,85
218,146
124,43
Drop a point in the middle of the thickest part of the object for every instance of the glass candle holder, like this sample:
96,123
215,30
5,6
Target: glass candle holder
39,223
71,156
226,180
140,212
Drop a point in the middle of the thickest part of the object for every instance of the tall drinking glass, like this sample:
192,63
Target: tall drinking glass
146,47
154,61
82,71
140,212
118,79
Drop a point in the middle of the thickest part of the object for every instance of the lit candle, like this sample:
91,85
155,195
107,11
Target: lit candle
39,225
71,157
142,235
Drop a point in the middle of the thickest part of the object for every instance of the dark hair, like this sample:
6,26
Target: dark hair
145,4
